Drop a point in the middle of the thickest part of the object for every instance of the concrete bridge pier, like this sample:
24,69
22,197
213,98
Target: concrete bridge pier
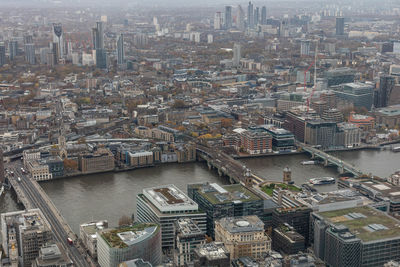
231,180
220,172
209,165
341,169
312,155
326,162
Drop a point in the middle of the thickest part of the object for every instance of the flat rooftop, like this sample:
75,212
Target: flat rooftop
217,194
187,227
127,236
213,250
366,223
242,224
169,198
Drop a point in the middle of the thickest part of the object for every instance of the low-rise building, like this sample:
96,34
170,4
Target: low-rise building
211,254
243,236
287,241
23,233
87,232
52,255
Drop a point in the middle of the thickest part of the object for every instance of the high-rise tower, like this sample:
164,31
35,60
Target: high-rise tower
58,37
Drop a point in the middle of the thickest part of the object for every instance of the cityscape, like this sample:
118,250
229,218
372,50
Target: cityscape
199,133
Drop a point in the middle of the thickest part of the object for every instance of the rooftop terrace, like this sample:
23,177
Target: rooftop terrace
361,222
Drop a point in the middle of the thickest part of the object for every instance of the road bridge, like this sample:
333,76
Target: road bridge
31,195
329,159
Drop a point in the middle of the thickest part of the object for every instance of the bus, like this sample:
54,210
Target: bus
69,240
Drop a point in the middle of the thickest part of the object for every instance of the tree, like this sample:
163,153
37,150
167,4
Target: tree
124,221
226,122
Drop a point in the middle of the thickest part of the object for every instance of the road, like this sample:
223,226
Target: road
35,195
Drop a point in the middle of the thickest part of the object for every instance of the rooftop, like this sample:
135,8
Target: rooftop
127,236
186,227
213,250
242,224
228,193
169,198
361,222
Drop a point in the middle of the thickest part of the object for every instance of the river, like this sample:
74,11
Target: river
111,195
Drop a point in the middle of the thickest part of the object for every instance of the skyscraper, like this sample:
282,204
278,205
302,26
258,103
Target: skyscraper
256,16
30,53
13,49
228,17
240,24
1,167
98,36
236,54
264,15
339,26
250,16
305,48
217,21
101,58
382,94
2,54
58,37
120,50
28,39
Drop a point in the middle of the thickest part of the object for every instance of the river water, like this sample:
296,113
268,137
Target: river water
111,195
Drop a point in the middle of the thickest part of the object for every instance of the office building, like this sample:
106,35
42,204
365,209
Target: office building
2,176
87,232
210,38
140,240
339,26
236,54
287,241
321,133
225,201
101,59
388,116
188,237
305,47
12,49
2,54
228,17
23,234
339,76
52,255
58,38
164,205
264,15
218,21
359,236
282,140
243,236
211,254
361,95
328,97
256,16
101,160
30,56
250,16
240,20
332,114
298,218
98,36
120,50
383,93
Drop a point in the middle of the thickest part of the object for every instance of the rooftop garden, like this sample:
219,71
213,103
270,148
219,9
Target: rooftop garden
269,188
